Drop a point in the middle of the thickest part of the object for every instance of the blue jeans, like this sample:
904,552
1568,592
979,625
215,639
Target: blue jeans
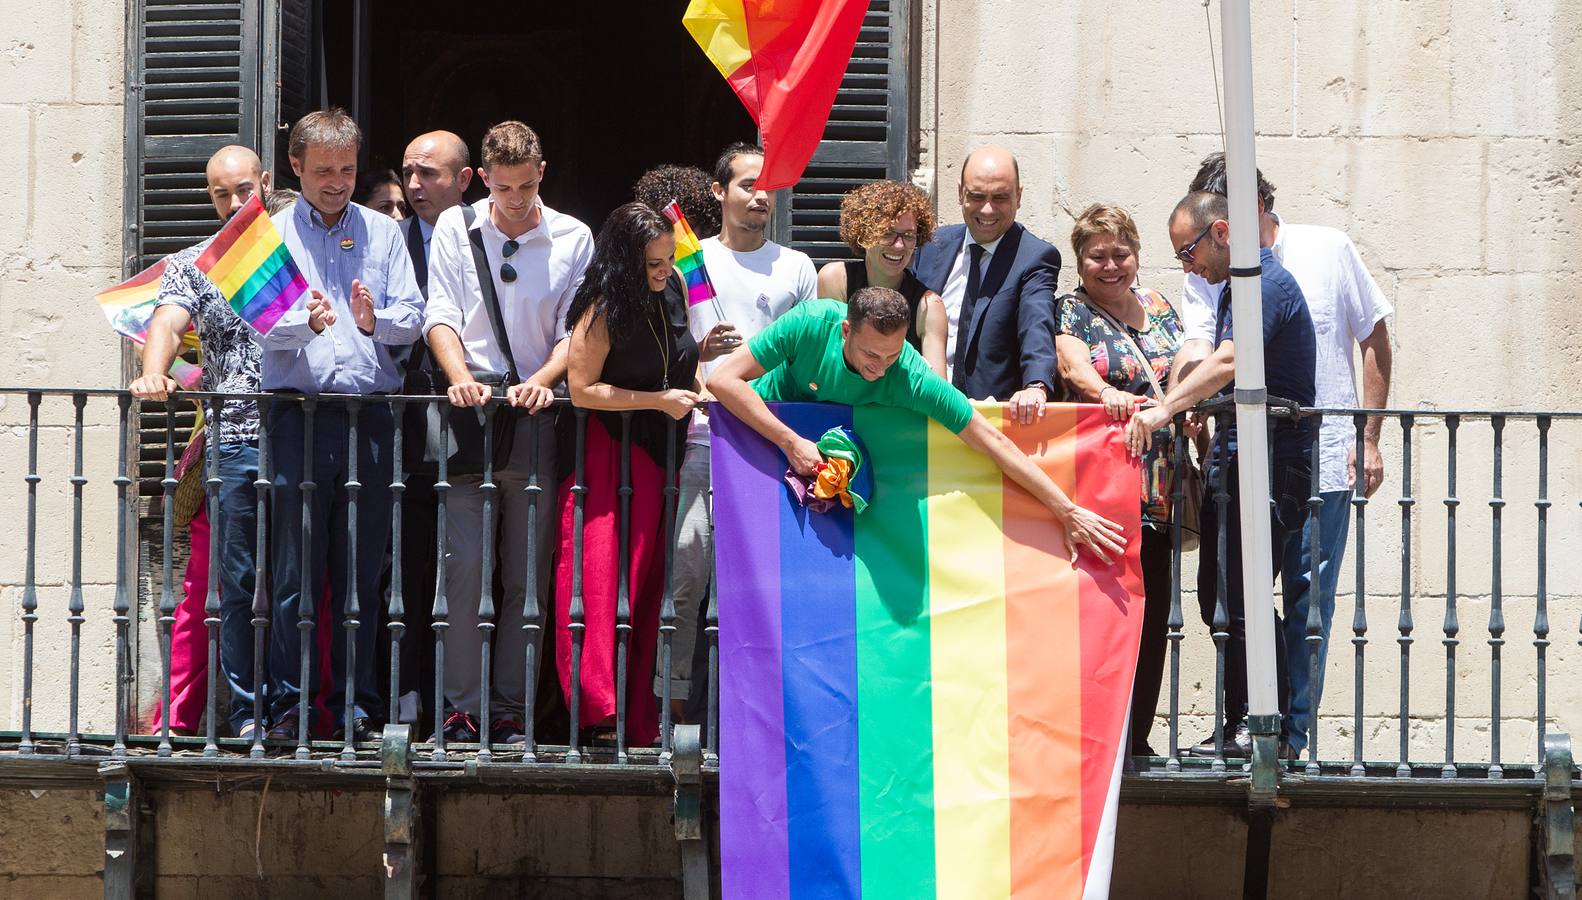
1296,568
235,542
328,550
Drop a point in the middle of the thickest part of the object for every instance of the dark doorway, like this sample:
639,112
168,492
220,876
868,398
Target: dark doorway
613,88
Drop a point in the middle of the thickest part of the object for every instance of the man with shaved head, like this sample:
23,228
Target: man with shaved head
998,283
435,172
230,364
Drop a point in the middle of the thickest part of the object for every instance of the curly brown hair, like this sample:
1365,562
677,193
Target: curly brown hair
867,212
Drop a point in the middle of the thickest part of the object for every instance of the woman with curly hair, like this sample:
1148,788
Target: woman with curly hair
884,222
630,350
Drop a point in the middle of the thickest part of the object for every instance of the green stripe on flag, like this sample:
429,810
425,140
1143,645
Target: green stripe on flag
895,704
260,277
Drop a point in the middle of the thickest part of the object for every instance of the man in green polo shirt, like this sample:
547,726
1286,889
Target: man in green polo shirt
856,354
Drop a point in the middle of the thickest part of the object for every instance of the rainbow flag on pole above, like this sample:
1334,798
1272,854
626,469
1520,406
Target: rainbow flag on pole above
928,700
689,257
784,59
253,268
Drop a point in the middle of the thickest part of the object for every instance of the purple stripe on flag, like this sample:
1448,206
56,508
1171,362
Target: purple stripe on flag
754,853
288,298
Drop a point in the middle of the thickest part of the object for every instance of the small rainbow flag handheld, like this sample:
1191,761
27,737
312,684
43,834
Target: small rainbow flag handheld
689,259
927,700
253,268
130,306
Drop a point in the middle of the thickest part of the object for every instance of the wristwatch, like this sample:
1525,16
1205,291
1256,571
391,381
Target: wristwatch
1040,385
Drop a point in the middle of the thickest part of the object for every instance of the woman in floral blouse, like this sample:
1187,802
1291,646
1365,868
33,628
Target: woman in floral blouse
1106,329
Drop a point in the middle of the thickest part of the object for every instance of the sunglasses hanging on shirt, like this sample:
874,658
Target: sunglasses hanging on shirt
507,271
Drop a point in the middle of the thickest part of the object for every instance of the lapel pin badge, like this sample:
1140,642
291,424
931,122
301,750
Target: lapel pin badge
347,243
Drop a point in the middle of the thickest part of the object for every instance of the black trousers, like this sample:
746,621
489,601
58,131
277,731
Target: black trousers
1155,557
1290,482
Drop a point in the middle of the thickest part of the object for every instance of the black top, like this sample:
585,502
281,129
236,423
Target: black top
637,363
912,289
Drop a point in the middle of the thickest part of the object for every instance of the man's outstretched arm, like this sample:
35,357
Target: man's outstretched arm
729,386
1085,529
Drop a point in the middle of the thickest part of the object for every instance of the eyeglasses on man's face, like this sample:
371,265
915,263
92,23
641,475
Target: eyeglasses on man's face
1185,253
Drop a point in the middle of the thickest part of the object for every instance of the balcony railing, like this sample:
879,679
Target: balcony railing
1443,554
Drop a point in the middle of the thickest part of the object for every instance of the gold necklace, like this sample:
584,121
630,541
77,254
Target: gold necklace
664,351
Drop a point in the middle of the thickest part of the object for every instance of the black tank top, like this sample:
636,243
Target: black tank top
912,289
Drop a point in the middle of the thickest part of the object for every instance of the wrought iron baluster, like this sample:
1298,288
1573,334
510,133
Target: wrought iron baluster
211,597
1359,617
532,610
1452,626
1541,607
75,605
30,580
1403,768
352,617
441,617
623,598
667,606
1496,601
1176,621
486,611
123,590
577,612
167,596
397,608
307,600
1313,632
1221,618
262,602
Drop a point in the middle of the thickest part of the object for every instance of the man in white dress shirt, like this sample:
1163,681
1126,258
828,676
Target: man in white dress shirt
536,259
1348,311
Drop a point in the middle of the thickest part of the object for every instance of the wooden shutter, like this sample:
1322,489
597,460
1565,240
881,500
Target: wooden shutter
870,135
194,74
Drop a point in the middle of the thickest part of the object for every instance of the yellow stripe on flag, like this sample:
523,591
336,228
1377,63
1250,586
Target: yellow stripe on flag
966,576
720,28
243,256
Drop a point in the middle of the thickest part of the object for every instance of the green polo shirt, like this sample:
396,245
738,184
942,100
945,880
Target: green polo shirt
803,361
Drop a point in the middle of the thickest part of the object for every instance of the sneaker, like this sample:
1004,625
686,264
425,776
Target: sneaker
461,728
247,730
506,731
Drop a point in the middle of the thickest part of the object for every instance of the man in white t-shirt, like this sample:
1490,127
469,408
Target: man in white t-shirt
1348,311
757,281
537,258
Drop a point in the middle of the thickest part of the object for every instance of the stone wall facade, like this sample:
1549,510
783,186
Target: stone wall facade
1446,140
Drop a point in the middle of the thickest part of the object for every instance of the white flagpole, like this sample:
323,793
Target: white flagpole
1251,417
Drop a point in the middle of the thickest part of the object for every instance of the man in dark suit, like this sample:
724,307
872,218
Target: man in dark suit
998,282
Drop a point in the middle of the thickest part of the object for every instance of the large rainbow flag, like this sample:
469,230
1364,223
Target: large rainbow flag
927,700
253,268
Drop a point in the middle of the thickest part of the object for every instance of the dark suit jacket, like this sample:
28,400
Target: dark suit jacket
1011,332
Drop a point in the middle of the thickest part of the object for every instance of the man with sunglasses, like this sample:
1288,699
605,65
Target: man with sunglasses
1200,234
536,258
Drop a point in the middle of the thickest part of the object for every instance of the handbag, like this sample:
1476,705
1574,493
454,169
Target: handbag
1189,477
424,424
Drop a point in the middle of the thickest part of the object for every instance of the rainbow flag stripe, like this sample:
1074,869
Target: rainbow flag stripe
689,257
253,268
927,700
130,306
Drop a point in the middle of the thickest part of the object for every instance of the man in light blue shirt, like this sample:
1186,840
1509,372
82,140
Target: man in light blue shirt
364,306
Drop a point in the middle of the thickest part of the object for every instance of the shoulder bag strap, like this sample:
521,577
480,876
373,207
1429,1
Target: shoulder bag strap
1121,329
491,300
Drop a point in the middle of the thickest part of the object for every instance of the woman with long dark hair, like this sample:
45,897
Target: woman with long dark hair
630,350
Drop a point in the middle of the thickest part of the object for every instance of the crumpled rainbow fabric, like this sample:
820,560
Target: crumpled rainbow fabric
840,480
